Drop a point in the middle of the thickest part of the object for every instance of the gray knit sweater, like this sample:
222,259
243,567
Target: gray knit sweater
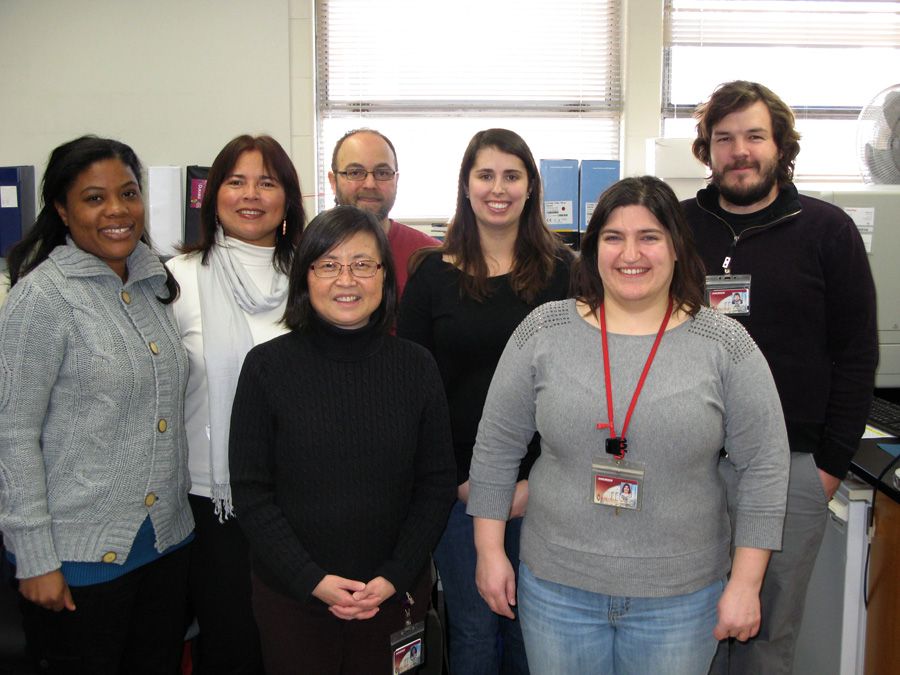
89,369
709,387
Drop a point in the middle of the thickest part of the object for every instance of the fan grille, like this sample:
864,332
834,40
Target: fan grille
878,138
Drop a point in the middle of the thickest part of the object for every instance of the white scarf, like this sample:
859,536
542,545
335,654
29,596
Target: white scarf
226,293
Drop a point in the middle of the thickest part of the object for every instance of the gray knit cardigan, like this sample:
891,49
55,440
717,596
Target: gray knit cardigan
92,377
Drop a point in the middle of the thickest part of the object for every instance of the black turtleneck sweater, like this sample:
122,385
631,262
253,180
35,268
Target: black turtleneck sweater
341,459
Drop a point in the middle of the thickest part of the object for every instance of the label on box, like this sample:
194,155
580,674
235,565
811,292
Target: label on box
558,213
588,212
9,198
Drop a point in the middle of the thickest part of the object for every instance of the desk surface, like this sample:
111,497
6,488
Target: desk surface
870,461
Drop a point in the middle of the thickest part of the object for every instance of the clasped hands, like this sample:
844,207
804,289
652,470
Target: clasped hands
348,599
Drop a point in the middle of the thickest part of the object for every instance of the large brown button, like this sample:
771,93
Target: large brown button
150,499
109,557
126,298
162,426
154,348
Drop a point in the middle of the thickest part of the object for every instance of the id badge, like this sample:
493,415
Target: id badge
729,294
619,484
408,646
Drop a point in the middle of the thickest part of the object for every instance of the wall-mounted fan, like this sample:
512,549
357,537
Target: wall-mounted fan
878,138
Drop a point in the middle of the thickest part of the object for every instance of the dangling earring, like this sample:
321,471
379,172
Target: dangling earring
284,227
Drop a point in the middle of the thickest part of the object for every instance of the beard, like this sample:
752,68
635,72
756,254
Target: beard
383,207
743,194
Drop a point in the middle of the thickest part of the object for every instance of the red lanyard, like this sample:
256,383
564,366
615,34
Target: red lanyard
616,445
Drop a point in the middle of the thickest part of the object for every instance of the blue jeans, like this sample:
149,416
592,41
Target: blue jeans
473,627
568,630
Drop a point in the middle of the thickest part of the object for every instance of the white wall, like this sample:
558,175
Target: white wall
174,79
643,29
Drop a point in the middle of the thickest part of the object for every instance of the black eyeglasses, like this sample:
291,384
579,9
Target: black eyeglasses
329,269
382,175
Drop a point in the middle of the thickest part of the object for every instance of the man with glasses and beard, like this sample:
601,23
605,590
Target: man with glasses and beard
801,265
364,174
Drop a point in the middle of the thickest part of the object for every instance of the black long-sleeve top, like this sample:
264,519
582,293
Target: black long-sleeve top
467,338
341,460
812,313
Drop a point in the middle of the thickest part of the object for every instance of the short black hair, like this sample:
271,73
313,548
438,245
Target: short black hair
326,231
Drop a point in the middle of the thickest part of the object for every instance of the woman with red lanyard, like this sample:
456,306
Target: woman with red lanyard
630,383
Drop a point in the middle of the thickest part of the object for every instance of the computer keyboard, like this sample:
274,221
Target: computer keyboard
885,415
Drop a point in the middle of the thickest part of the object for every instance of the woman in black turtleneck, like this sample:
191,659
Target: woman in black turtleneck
341,460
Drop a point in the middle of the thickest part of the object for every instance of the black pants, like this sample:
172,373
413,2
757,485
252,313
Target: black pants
228,643
304,637
131,625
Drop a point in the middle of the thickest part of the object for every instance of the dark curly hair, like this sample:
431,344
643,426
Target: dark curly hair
740,95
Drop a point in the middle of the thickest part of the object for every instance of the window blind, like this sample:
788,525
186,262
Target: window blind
826,58
429,74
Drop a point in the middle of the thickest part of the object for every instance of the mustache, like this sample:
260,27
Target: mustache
742,165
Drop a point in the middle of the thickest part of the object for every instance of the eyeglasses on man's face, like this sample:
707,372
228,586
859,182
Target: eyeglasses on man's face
328,269
356,175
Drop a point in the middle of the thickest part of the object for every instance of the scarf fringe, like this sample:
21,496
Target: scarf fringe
221,497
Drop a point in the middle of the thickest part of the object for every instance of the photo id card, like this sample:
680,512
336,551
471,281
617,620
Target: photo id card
617,484
408,646
729,294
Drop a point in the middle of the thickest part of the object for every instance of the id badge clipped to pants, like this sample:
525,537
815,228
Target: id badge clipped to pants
408,644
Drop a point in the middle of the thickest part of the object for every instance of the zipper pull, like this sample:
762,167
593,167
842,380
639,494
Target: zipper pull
726,264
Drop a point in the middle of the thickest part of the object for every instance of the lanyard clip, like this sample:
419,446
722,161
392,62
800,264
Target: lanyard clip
617,447
407,608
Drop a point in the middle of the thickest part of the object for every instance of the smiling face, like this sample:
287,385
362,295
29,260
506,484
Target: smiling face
347,301
104,212
367,151
250,203
497,188
636,259
744,159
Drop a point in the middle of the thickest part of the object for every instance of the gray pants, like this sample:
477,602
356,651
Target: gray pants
783,593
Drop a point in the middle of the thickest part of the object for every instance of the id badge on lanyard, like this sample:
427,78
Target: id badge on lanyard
729,293
616,482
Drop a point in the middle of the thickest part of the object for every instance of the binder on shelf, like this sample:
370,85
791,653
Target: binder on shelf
17,207
596,176
165,204
560,179
194,189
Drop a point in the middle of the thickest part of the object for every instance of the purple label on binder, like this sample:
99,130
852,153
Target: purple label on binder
198,185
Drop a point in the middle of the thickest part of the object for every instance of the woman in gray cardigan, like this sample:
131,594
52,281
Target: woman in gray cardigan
632,384
94,480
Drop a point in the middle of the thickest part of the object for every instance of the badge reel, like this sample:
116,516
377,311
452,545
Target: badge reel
618,483
729,293
408,644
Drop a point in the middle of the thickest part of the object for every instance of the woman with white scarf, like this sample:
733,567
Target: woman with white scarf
233,292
